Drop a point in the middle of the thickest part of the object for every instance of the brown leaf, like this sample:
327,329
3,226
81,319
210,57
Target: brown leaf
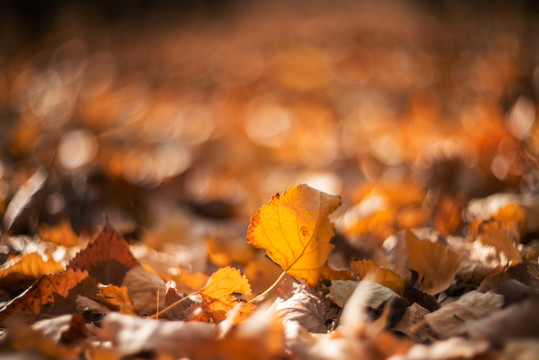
131,335
435,263
305,308
107,258
451,319
51,295
180,311
518,321
147,290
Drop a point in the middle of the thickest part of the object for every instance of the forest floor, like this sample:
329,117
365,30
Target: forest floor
269,180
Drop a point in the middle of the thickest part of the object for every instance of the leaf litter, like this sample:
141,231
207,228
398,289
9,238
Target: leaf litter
412,232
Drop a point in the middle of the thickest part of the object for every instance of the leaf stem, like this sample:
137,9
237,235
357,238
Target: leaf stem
273,286
157,314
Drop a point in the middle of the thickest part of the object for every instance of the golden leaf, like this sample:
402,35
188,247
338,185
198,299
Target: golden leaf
368,270
116,298
218,294
28,268
295,230
435,263
60,234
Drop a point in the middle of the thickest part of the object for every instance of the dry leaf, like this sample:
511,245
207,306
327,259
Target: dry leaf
26,270
413,315
131,335
295,230
366,295
107,258
60,234
218,294
435,263
259,337
146,290
305,308
368,270
451,319
179,310
519,320
24,338
51,295
116,298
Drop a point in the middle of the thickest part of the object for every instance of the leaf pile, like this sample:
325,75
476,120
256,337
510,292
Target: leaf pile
438,291
410,127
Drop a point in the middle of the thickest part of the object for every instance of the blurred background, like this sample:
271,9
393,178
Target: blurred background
139,108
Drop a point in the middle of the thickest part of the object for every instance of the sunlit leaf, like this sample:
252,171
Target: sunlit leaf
219,293
53,294
295,230
28,268
368,270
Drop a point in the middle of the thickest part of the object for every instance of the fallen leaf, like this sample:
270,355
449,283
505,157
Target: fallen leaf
295,230
178,310
130,335
107,258
436,263
116,298
146,290
340,291
517,321
218,294
60,234
366,295
26,270
22,338
259,337
413,315
368,270
53,294
498,239
305,308
65,329
451,320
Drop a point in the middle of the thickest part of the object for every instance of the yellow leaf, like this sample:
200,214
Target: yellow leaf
435,263
116,298
368,270
218,294
295,230
28,268
60,234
